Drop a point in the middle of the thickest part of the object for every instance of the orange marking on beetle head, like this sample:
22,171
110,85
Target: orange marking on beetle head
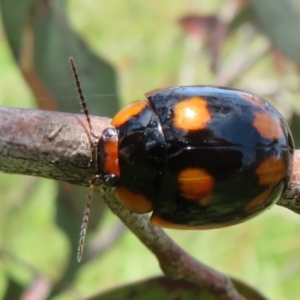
267,125
191,114
160,222
195,184
134,202
130,110
271,171
111,164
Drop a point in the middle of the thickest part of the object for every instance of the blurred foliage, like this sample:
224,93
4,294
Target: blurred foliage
249,45
280,27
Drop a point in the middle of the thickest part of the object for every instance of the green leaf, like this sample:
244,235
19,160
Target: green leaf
280,20
162,288
14,290
42,41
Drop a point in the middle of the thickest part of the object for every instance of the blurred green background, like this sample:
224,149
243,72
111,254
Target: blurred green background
141,45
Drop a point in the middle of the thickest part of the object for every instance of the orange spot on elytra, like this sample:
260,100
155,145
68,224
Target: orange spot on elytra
134,202
271,171
258,202
111,163
254,100
195,184
158,221
191,114
267,125
129,111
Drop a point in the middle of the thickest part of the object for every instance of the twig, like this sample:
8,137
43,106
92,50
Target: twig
175,263
291,197
47,144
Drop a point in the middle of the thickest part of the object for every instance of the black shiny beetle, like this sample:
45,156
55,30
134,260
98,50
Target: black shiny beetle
197,157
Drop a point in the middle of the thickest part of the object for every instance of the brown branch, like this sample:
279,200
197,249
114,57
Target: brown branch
291,197
175,263
56,145
47,144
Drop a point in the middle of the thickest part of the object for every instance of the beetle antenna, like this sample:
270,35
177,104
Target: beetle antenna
96,177
85,219
81,97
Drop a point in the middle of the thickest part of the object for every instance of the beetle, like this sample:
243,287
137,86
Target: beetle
197,157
